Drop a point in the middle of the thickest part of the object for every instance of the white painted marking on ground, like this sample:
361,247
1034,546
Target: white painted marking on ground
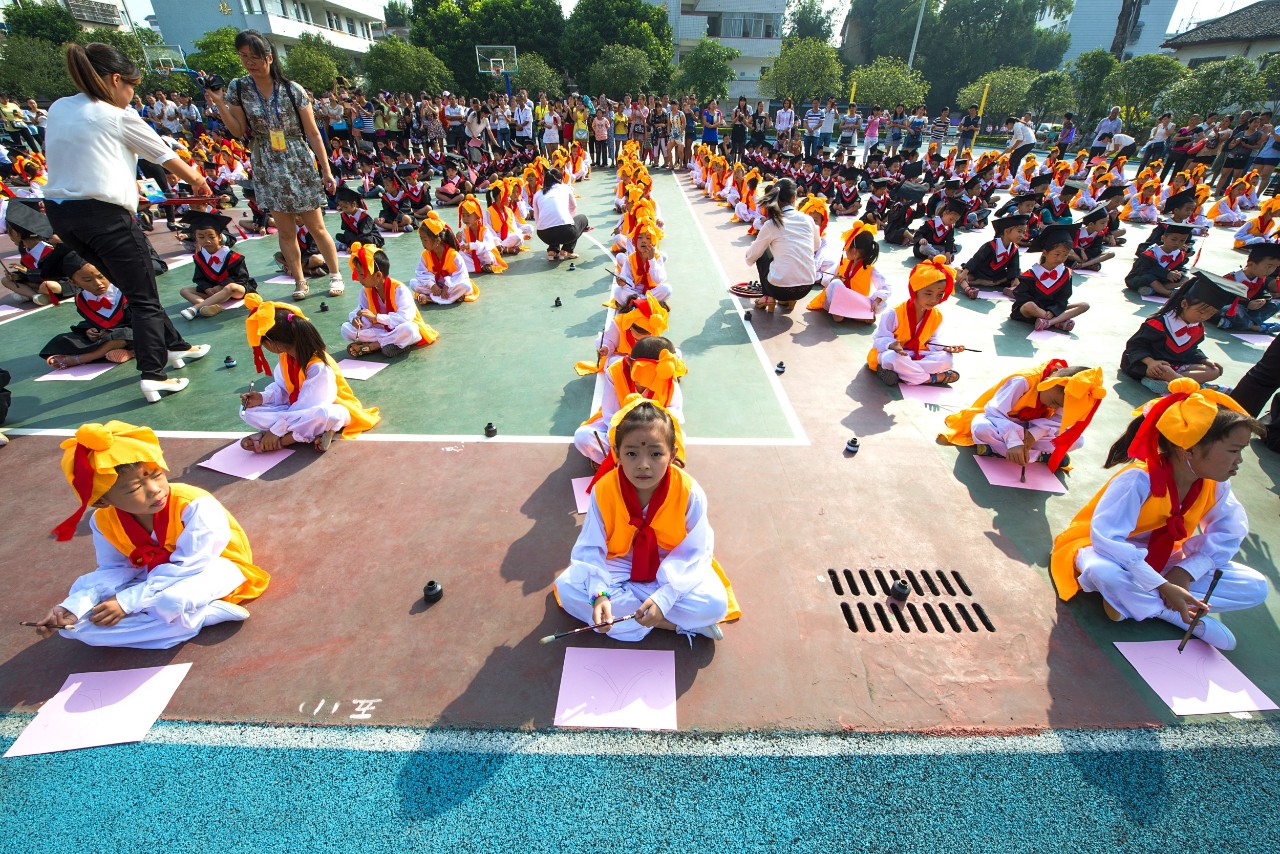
28,313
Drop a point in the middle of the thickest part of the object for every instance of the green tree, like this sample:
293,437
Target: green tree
311,67
1270,78
48,21
596,24
805,68
1049,94
31,67
397,14
1232,83
1007,96
705,71
1047,49
886,28
395,65
1135,84
1088,72
888,81
131,44
536,26
809,19
619,69
342,60
536,75
216,54
443,28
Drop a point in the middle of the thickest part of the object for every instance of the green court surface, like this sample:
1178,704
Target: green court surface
506,358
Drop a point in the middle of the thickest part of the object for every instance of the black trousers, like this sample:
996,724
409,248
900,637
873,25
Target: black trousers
563,237
1015,159
1258,386
109,238
1174,163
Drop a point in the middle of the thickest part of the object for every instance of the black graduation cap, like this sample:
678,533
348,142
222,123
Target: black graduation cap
875,157
365,157
346,194
911,192
935,157
1039,182
197,220
972,182
812,161
61,263
407,169
850,172
1171,227
1264,251
1111,192
1074,186
1000,224
1094,215
913,170
1217,291
28,220
827,164
1053,235
954,206
953,183
1177,200
1024,197
897,158
882,181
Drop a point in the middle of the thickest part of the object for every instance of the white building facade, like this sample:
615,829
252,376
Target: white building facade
1092,25
349,24
753,27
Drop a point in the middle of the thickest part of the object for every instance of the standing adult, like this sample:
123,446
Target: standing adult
938,130
36,119
522,120
1268,156
850,124
712,121
1241,147
759,124
784,122
1257,387
812,127
1020,143
1180,144
276,113
970,124
1158,141
1068,134
738,133
784,249
915,129
1112,125
897,128
830,118
93,148
455,119
556,217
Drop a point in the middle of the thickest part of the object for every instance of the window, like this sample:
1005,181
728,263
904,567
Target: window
351,26
248,7
749,25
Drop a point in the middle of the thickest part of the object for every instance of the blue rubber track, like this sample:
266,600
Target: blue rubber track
1185,788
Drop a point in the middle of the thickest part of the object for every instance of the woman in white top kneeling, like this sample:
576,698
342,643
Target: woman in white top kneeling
556,217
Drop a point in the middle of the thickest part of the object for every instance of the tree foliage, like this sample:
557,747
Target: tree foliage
131,44
451,30
809,19
1135,84
31,67
1232,83
1049,94
1270,79
536,75
596,24
394,65
619,68
342,60
48,21
313,68
397,13
216,54
705,71
1088,72
888,81
1007,96
805,68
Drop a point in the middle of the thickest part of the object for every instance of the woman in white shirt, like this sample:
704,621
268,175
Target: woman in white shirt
93,148
785,121
551,129
784,250
556,217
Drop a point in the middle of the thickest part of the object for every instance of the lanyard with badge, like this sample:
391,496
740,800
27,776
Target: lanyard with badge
276,135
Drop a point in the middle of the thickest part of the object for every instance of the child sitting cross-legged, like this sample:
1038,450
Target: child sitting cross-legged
442,276
104,331
1152,539
995,266
643,270
652,370
385,318
357,225
905,347
646,545
33,236
220,273
856,271
476,241
171,559
1043,294
1253,312
308,399
1038,414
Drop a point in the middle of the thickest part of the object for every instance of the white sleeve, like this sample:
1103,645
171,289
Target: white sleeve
423,277
1221,532
113,574
361,304
886,328
879,287
318,389
1000,405
205,534
1115,517
402,314
276,393
611,338
140,139
768,232
1243,232
590,551
688,563
658,270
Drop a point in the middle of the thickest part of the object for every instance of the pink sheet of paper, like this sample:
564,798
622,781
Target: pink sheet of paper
1199,681
78,373
1155,298
279,280
94,709
1253,338
994,295
353,369
618,689
1086,272
846,302
581,498
391,233
1000,472
231,304
237,462
1044,336
928,393
8,309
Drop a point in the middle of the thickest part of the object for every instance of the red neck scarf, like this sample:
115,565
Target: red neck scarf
293,371
147,551
1162,541
1040,410
644,546
913,343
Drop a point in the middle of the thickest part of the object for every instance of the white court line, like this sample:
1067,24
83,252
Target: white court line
27,313
597,392
793,420
1173,740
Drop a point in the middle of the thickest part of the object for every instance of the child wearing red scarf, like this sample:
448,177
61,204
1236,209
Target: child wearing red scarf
171,559
646,544
442,276
643,270
1152,538
386,318
904,348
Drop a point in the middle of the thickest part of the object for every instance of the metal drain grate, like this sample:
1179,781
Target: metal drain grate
876,612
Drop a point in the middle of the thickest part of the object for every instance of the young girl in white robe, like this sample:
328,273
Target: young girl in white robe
502,216
442,276
856,271
652,370
905,348
643,270
476,242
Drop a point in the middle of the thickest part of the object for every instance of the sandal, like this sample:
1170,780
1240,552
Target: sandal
356,349
119,357
323,441
252,443
300,291
943,378
762,302
1065,326
210,310
888,376
1042,323
61,363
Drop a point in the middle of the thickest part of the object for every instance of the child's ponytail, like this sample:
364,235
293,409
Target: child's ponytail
298,335
1119,451
868,247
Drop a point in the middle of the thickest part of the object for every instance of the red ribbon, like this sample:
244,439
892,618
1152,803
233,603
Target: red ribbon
644,545
82,483
147,551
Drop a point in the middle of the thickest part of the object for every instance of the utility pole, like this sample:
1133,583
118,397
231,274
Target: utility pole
919,20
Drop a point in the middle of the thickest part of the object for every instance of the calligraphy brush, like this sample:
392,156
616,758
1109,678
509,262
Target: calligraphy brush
1217,575
1023,477
550,638
966,349
38,626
